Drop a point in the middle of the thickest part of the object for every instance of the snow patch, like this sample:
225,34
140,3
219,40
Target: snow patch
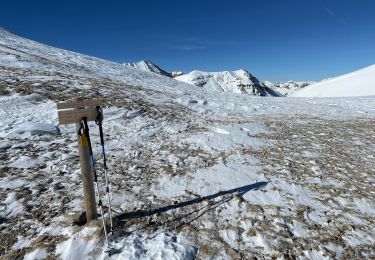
12,184
39,253
160,247
25,162
75,248
227,137
13,205
236,174
31,129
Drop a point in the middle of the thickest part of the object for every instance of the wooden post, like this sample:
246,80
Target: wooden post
86,175
73,112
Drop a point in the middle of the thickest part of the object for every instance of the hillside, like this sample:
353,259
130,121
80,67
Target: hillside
357,83
32,61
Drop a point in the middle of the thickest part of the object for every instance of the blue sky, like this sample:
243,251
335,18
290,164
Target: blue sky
275,40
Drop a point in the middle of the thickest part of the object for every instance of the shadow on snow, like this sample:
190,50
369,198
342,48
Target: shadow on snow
240,191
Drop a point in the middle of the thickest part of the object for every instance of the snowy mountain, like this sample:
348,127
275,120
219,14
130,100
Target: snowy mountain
357,83
240,81
176,73
288,87
147,65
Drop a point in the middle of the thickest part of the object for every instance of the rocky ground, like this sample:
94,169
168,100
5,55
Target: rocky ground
328,212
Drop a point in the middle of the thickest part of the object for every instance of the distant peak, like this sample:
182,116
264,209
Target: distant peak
146,61
176,73
148,65
238,81
244,71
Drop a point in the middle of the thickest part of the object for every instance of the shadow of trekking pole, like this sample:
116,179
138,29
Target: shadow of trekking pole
240,191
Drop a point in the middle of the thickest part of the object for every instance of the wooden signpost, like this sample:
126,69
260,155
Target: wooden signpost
73,113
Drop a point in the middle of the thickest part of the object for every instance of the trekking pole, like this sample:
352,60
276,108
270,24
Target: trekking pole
99,121
85,127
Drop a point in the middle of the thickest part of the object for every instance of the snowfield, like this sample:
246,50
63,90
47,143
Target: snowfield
357,83
194,173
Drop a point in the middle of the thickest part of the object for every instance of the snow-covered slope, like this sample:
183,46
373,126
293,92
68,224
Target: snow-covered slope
357,83
147,65
240,81
288,87
35,60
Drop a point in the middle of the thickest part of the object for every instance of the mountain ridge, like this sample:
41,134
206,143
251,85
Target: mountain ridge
239,81
288,87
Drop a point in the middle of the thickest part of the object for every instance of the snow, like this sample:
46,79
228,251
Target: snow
14,207
226,137
75,248
160,247
357,83
30,128
39,253
21,243
5,145
12,184
176,73
25,162
240,176
134,247
315,255
364,206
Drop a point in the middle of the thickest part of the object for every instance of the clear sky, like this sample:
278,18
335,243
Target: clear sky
275,40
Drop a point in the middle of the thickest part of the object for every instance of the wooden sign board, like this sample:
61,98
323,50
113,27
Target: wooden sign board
73,112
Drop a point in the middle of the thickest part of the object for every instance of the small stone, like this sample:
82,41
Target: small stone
252,232
78,218
39,239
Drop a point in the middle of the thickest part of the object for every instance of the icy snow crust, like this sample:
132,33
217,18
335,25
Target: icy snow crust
194,173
